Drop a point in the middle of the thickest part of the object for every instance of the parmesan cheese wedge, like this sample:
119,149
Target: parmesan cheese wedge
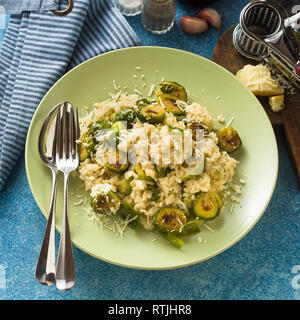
258,79
276,103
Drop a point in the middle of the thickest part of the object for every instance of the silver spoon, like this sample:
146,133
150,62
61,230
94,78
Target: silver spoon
45,268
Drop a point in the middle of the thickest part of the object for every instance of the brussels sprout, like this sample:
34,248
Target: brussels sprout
153,113
89,140
173,88
168,101
127,115
207,205
174,240
124,185
114,164
86,147
191,227
84,154
96,126
176,130
141,117
104,202
170,219
142,103
117,167
229,139
127,211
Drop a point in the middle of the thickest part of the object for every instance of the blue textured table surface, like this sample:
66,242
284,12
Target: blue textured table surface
265,264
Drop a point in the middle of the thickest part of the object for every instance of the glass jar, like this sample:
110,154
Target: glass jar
129,7
158,15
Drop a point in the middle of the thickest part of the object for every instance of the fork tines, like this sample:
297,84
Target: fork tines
67,132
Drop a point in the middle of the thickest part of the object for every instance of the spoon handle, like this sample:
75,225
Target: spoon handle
45,268
65,268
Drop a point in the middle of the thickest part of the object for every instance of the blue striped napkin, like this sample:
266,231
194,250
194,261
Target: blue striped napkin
38,48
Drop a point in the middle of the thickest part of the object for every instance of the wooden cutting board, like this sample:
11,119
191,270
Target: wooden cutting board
227,56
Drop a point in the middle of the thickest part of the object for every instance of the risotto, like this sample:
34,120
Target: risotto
157,164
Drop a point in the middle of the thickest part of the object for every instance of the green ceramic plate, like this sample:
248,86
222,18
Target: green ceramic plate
208,84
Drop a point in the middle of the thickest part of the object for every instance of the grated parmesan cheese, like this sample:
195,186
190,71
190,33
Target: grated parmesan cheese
138,92
220,119
115,85
208,228
242,181
230,122
78,202
151,90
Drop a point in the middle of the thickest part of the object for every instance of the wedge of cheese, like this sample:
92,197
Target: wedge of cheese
276,103
258,79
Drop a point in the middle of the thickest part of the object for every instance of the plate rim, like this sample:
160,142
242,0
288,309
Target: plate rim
177,266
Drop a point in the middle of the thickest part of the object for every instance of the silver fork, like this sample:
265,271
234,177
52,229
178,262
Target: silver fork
67,160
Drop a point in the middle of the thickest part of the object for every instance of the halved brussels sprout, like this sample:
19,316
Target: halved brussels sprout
191,227
153,113
168,101
173,88
174,240
207,205
84,154
107,201
176,130
86,146
170,219
117,167
127,211
124,185
88,139
113,162
229,139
